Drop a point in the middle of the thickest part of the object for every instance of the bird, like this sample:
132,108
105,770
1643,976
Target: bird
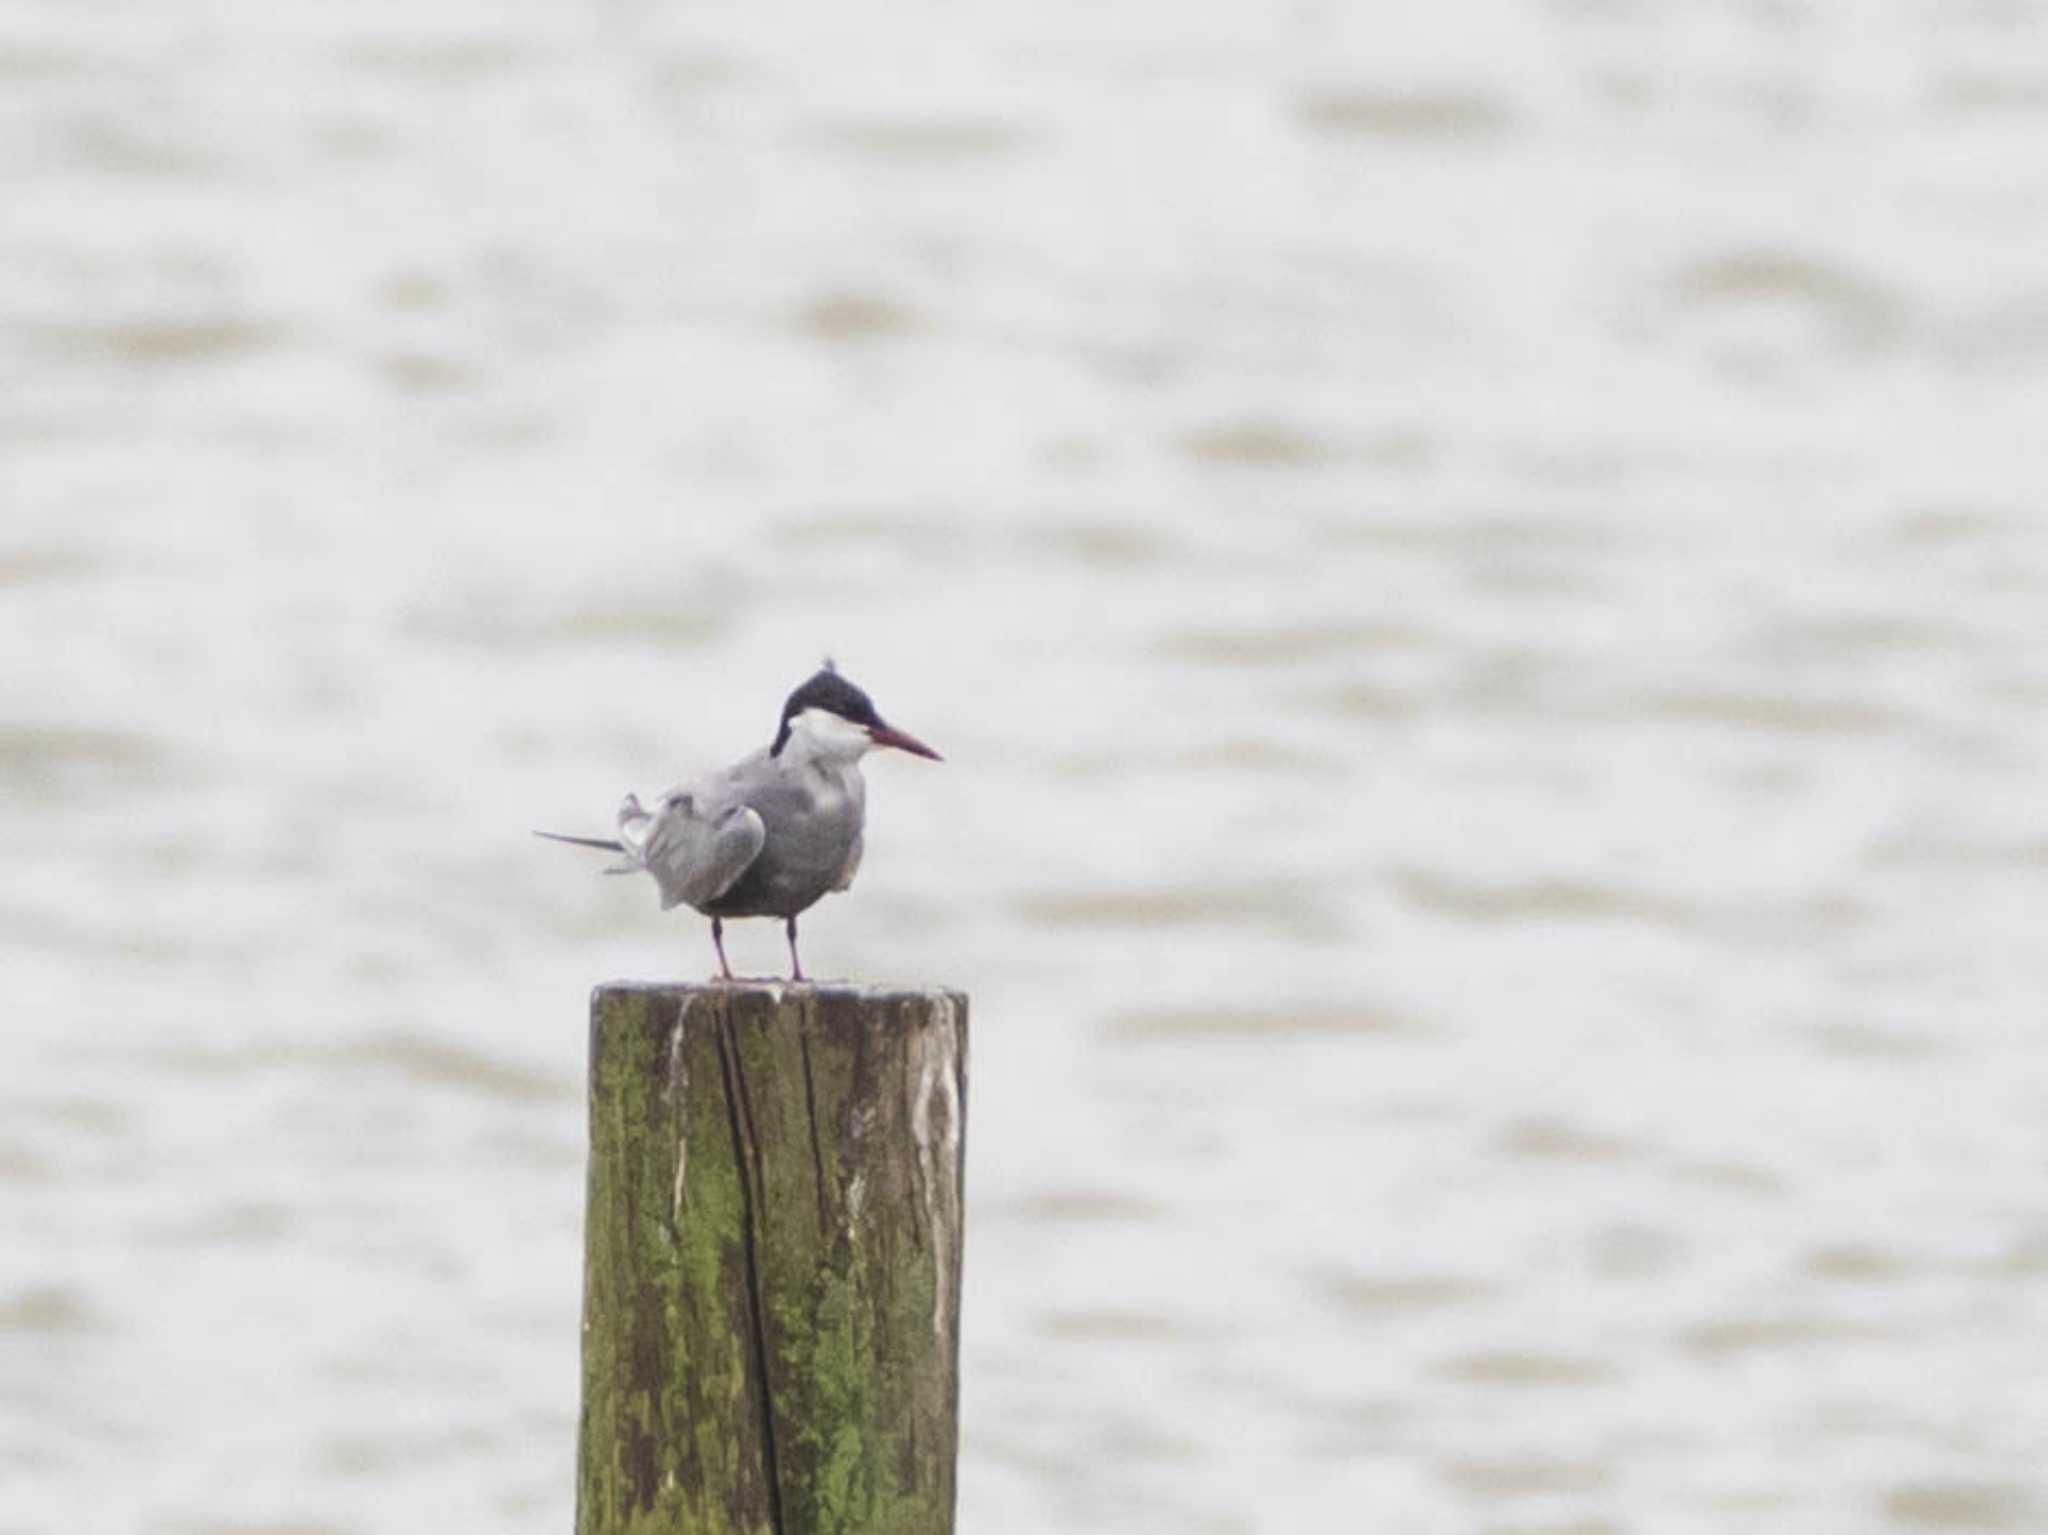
774,833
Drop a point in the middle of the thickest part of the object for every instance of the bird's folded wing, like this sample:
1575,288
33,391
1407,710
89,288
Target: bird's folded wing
695,857
851,867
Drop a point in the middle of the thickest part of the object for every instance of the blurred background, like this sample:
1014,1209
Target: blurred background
1481,577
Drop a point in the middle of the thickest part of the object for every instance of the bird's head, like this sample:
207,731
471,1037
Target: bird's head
836,719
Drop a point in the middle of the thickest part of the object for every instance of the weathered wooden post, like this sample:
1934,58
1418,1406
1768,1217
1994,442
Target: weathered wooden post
771,1304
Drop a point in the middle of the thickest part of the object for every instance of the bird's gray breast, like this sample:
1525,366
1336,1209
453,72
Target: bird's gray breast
812,814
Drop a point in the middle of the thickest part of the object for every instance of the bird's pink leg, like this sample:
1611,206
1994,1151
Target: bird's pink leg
718,943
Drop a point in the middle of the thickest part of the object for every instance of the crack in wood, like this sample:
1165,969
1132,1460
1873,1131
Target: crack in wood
740,1116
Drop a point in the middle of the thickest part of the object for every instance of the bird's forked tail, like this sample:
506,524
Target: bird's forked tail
630,814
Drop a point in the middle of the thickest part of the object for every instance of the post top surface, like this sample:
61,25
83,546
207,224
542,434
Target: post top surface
778,990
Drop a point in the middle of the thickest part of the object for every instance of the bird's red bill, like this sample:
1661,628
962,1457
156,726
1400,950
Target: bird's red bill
902,740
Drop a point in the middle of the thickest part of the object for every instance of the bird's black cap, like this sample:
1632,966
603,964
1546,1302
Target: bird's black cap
826,689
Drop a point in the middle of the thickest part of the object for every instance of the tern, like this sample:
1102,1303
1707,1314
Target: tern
773,834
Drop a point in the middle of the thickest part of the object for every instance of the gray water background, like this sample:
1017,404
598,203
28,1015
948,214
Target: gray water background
1481,575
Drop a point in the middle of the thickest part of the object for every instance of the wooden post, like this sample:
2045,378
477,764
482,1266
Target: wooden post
771,1302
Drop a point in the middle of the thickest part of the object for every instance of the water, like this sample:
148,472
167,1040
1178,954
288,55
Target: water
1482,586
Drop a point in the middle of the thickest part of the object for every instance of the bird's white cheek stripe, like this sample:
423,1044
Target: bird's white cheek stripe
827,734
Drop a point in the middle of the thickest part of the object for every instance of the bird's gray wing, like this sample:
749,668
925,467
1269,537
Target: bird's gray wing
851,866
694,851
857,791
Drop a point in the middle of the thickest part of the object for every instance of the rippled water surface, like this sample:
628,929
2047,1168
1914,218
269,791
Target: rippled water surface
1482,580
